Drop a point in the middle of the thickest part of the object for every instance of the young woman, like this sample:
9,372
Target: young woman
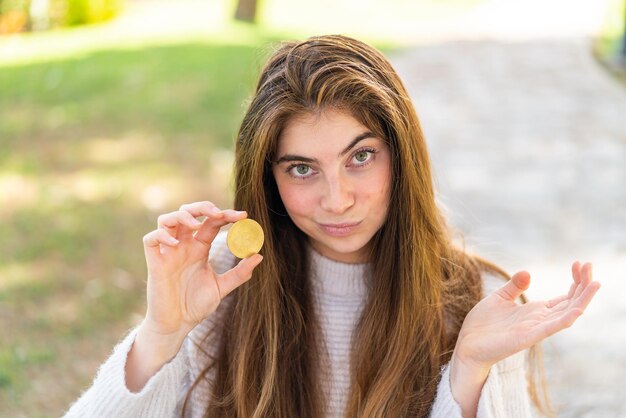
360,305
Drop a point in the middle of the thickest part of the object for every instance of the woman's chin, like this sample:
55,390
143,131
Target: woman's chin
348,251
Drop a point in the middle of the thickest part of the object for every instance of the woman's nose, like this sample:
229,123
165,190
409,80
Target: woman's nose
339,195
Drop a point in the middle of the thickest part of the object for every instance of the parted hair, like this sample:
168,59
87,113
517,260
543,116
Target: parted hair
422,286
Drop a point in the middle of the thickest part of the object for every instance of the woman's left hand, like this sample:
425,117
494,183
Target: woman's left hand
497,327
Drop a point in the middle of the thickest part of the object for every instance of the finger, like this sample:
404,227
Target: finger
555,325
572,290
157,237
213,222
515,287
197,209
586,296
173,220
153,241
566,319
585,279
238,275
582,299
554,302
576,271
576,276
586,273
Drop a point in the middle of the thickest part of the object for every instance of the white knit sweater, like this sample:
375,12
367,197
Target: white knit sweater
339,291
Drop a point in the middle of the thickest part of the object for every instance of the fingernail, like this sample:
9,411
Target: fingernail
173,240
233,212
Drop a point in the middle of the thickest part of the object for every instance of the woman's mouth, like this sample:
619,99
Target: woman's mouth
340,229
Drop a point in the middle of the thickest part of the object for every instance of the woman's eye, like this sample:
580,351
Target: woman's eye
300,170
361,156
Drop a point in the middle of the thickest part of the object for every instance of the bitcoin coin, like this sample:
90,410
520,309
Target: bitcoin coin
245,238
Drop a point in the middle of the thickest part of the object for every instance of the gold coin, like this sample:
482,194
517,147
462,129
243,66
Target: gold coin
245,238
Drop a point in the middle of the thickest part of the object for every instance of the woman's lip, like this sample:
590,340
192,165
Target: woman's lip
341,225
341,229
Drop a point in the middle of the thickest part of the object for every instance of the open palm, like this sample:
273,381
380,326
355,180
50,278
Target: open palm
498,327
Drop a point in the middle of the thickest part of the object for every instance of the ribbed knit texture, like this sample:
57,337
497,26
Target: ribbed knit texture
340,291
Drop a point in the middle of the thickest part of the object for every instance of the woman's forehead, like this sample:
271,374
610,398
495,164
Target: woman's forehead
330,126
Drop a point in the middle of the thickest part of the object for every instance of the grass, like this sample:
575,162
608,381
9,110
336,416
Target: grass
93,156
102,128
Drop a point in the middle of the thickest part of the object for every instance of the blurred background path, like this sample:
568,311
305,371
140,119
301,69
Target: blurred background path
528,139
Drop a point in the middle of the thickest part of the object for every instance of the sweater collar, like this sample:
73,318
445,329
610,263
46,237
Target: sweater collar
339,279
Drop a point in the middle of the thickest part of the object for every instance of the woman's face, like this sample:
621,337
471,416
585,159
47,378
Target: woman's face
334,179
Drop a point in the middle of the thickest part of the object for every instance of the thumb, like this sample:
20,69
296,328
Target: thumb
239,274
515,287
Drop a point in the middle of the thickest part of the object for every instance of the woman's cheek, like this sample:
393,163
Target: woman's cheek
296,199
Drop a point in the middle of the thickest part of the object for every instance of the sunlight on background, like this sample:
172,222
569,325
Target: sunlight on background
158,21
105,126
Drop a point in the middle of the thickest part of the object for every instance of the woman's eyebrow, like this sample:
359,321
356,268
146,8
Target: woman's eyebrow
355,141
292,157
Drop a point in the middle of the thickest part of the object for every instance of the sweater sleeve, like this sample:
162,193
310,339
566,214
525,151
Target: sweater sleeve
109,397
162,395
505,392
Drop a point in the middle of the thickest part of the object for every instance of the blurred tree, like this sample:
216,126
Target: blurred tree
246,10
21,15
39,14
13,16
77,12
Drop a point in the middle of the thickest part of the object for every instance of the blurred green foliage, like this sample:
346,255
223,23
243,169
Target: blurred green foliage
8,5
19,15
609,40
79,12
608,45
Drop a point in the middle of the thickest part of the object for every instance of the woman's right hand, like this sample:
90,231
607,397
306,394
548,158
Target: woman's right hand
183,289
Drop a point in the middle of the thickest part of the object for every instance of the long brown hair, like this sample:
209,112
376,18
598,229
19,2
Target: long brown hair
422,285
